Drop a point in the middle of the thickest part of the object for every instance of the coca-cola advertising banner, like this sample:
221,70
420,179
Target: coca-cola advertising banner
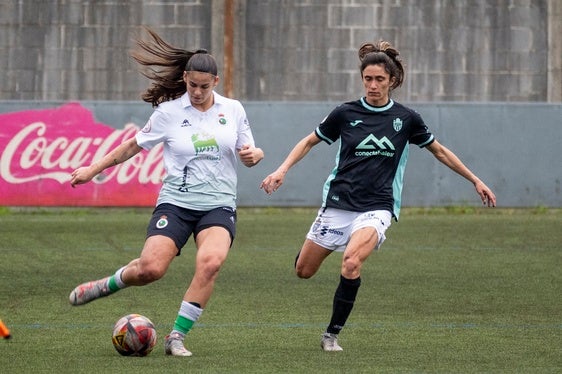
41,148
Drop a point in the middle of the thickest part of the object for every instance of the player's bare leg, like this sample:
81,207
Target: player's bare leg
310,258
213,245
156,256
158,253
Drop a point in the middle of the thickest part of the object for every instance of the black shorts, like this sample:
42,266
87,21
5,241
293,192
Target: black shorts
179,223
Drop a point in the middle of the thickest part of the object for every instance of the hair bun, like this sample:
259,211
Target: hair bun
365,49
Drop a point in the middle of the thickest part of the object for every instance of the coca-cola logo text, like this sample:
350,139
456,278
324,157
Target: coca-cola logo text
31,149
40,149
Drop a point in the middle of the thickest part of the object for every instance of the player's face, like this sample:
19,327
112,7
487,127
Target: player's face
200,88
377,83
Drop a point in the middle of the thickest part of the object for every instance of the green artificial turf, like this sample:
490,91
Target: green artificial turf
457,290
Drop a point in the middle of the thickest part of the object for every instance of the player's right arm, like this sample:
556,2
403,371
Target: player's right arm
122,153
274,180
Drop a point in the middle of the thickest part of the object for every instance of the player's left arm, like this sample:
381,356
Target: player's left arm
448,158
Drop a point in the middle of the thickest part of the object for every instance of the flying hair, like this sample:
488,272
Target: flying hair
165,64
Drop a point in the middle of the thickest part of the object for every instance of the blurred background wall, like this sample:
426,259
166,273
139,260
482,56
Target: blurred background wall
301,50
486,75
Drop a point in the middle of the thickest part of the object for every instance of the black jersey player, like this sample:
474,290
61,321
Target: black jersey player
362,193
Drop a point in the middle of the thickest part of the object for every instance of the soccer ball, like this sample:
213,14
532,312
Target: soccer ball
134,335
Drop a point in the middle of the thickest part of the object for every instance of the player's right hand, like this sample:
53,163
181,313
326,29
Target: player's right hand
81,175
272,182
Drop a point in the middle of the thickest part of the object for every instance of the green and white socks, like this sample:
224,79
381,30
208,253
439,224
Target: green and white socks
115,283
188,314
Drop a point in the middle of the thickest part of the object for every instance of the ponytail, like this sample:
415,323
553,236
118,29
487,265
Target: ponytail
165,64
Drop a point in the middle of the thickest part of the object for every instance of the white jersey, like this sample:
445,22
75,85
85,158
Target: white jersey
199,151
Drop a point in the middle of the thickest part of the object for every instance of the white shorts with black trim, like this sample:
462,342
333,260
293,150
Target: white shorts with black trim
333,228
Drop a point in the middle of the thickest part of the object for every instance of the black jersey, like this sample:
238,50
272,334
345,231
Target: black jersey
372,155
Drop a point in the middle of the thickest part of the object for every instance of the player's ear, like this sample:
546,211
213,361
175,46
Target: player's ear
185,77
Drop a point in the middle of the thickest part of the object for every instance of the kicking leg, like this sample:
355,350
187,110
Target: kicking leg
156,256
310,258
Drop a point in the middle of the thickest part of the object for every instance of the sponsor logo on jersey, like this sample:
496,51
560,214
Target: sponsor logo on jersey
373,146
205,145
355,123
185,123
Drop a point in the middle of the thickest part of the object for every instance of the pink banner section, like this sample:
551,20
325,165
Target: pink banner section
40,148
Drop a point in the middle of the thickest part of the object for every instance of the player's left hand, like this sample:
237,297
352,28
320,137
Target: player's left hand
486,194
249,155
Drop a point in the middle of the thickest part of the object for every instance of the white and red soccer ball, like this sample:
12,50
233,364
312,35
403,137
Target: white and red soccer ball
134,335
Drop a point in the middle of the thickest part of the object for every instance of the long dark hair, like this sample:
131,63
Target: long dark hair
164,65
385,54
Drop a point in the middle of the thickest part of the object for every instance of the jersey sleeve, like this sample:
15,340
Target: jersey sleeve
330,128
153,132
244,131
421,136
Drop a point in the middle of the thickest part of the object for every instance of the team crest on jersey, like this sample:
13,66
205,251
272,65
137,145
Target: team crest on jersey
397,124
222,119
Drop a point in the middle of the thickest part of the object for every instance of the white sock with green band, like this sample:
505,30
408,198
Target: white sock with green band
115,282
187,316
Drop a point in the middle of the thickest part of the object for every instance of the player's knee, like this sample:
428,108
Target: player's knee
210,266
351,266
304,272
150,273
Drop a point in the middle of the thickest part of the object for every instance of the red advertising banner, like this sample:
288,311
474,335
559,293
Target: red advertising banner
40,148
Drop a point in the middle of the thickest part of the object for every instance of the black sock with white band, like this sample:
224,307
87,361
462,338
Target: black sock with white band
344,299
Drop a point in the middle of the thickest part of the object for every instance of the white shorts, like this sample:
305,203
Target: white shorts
333,228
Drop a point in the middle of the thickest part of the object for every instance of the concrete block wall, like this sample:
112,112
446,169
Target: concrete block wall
454,50
288,50
79,50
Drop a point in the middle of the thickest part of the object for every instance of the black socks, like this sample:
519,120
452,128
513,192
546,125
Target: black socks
343,303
